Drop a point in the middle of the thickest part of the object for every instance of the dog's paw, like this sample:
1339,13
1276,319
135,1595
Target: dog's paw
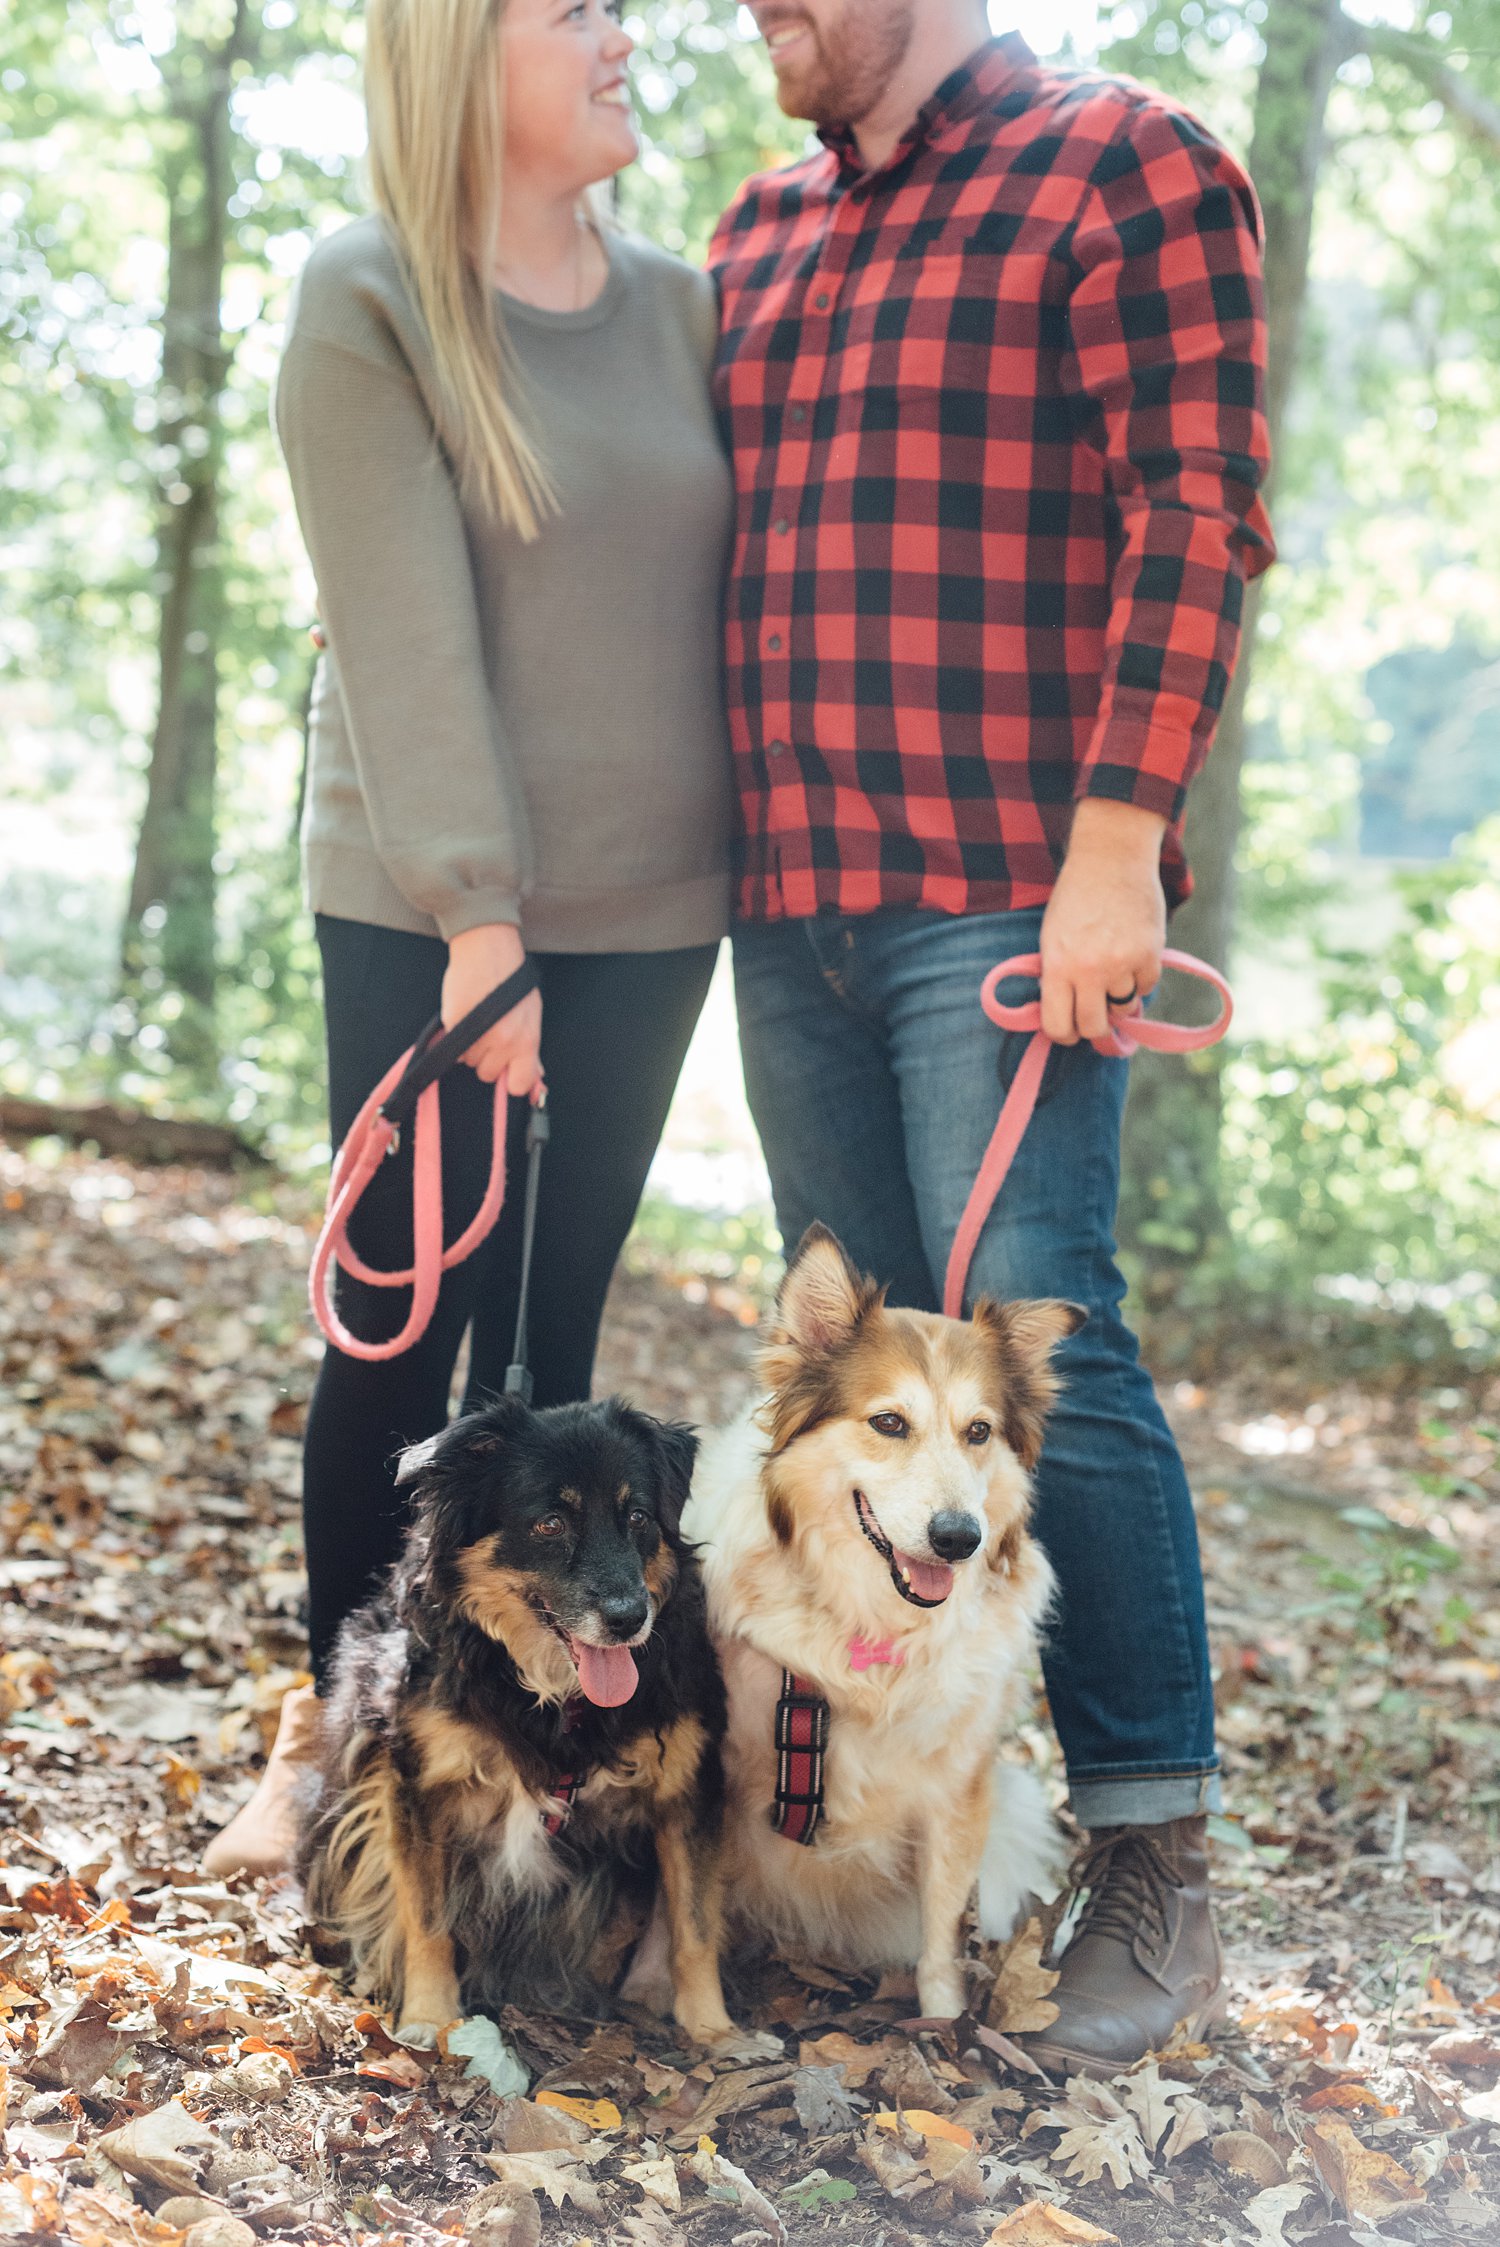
421,2035
744,2044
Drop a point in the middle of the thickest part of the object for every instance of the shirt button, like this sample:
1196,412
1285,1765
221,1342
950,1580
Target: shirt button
799,413
776,749
781,526
821,300
774,643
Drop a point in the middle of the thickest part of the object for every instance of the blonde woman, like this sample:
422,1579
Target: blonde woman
496,418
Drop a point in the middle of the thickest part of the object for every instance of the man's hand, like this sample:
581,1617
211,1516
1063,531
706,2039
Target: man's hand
1106,921
478,961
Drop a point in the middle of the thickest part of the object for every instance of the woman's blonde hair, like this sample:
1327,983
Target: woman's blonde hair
434,92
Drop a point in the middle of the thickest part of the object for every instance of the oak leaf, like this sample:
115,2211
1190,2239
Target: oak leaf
1040,2224
1019,2001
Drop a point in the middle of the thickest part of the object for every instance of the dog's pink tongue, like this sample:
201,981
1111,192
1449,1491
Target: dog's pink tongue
929,1579
607,1674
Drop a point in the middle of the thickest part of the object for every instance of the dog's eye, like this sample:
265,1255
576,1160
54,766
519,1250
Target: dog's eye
888,1424
550,1525
978,1431
637,1517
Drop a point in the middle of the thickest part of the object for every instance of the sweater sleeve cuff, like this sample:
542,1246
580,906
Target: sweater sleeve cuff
478,908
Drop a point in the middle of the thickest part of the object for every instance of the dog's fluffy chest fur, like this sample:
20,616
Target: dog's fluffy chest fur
907,1736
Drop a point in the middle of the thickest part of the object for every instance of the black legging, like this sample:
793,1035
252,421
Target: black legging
615,1027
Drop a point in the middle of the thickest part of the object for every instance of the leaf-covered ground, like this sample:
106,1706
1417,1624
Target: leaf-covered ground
178,2065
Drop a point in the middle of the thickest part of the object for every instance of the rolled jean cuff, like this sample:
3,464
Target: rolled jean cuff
1142,1798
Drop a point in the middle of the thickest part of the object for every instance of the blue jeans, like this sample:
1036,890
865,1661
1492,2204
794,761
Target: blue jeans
875,1080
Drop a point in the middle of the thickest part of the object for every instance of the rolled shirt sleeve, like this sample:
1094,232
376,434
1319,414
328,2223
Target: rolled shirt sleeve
1168,344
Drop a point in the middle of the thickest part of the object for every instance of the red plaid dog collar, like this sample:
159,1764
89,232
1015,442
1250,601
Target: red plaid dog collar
801,1745
564,1789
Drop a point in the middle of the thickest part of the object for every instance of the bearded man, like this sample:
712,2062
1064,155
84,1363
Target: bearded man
991,376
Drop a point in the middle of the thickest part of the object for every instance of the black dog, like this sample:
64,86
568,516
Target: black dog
528,1707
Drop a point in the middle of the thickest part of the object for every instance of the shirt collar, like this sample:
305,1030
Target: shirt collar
962,93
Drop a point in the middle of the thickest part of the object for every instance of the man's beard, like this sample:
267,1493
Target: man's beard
854,59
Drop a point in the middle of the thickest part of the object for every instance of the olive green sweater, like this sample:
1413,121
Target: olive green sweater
502,731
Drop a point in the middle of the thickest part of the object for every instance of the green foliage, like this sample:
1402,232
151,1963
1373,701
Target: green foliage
1362,1155
708,114
1380,1594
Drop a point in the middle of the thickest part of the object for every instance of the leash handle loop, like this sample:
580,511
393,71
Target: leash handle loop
1159,1037
1132,1029
410,1086
437,1049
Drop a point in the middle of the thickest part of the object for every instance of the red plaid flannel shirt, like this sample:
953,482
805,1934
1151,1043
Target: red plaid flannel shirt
995,411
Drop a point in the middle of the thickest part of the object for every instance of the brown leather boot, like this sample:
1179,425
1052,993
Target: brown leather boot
1144,1960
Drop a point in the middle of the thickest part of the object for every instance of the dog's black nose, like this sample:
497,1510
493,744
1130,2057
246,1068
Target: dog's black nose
954,1536
624,1613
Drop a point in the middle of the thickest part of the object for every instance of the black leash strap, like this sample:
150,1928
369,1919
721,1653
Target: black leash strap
518,1372
438,1049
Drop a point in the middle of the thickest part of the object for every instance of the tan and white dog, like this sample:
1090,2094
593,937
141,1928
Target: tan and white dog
864,1527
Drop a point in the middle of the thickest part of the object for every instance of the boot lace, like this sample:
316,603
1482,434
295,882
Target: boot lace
1126,1875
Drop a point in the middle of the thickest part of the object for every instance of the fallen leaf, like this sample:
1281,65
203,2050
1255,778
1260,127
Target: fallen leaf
816,1977
526,2126
927,2125
1461,2048
657,2180
403,2069
1093,2150
1152,2102
1040,2224
1348,2096
598,2114
165,2147
836,2050
1268,2211
1014,2055
180,1781
824,2107
1363,2181
489,2056
893,2168
1193,2125
79,2044
1484,2106
561,2176
726,2182
736,2092
1019,2001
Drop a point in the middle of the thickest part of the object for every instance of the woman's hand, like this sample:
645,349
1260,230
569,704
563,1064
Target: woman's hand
479,960
1106,922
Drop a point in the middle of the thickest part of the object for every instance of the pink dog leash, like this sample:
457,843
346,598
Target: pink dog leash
409,1089
1133,1029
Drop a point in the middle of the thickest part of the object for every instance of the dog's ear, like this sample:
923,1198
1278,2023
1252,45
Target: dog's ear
454,1473
821,1301
674,1452
417,1458
1024,1335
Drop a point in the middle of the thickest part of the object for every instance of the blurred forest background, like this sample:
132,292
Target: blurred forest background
165,166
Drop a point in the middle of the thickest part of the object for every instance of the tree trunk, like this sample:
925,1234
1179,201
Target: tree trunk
169,922
1171,1210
